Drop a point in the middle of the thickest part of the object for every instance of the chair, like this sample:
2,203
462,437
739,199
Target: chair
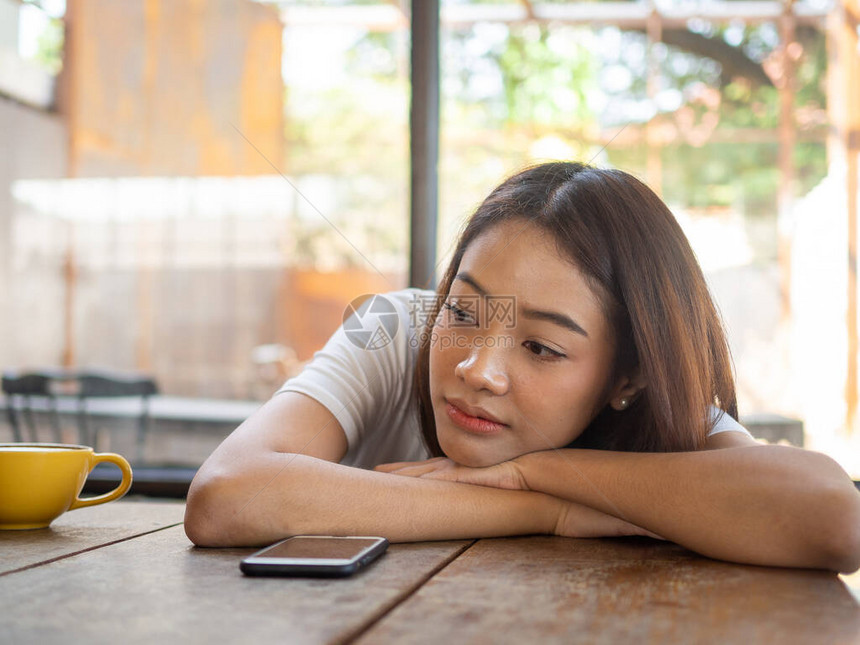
67,393
20,391
74,392
102,384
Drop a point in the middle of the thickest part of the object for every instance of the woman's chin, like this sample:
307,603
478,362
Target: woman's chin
475,463
469,456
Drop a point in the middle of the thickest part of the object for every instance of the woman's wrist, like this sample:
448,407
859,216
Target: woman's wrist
553,509
524,466
551,515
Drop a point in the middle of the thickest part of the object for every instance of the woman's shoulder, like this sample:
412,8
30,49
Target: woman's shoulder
413,307
411,298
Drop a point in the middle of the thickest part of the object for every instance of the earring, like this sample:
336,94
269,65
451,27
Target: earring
623,403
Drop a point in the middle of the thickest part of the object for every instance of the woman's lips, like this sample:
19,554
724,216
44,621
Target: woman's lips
476,425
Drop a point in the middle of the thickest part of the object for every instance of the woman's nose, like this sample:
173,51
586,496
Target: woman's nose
484,369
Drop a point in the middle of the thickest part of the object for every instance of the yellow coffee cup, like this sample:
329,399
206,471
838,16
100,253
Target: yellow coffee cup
41,481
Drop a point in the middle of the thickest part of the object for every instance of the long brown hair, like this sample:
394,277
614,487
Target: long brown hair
629,246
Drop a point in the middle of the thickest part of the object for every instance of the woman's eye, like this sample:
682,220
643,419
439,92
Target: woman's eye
541,351
460,316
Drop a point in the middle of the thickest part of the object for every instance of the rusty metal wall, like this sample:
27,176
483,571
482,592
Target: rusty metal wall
173,87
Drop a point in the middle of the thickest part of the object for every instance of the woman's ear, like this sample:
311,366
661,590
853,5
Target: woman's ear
626,391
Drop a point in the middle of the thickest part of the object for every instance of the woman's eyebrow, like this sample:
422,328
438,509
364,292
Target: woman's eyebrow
468,279
558,318
563,320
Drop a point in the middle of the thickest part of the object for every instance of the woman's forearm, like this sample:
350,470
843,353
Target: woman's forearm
770,505
288,494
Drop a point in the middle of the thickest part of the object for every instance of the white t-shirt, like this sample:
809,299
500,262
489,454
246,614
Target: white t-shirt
364,373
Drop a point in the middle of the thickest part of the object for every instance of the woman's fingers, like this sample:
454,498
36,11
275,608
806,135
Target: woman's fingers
387,468
504,475
415,471
413,468
397,465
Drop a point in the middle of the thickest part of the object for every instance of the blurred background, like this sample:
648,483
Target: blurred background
196,190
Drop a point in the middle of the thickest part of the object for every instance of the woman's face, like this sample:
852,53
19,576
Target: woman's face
521,353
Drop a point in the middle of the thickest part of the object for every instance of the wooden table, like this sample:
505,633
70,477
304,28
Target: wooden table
125,573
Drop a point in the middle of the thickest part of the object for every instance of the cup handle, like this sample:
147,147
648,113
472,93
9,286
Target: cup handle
117,492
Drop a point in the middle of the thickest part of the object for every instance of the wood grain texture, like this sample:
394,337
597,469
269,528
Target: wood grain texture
159,588
83,529
626,590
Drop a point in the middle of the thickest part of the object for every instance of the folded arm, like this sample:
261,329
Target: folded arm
739,501
275,476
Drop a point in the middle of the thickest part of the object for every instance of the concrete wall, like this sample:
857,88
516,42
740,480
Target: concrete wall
32,146
9,26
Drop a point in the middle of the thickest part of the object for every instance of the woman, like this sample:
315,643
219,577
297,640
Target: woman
572,378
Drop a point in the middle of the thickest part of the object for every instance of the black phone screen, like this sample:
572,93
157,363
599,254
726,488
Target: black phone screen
314,556
323,548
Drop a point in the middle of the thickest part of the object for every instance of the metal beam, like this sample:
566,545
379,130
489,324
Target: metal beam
424,142
843,151
626,15
785,84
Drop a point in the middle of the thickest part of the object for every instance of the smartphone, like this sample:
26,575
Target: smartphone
314,555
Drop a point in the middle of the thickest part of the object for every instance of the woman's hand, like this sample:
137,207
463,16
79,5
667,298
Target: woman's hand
574,520
504,475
